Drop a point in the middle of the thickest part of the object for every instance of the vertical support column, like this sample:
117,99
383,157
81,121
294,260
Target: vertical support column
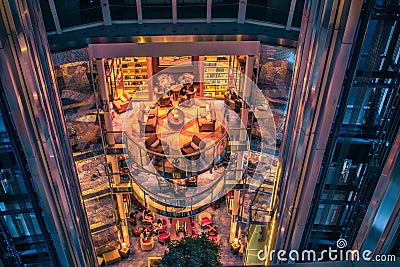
139,11
111,142
174,12
105,10
235,211
149,62
318,76
248,82
120,199
201,75
242,11
55,16
291,13
106,102
247,86
26,73
240,155
209,7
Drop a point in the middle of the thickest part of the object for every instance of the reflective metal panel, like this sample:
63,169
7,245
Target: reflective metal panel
177,48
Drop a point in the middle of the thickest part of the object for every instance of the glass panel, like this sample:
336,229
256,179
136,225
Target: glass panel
47,16
298,12
157,9
269,14
123,9
83,125
276,4
15,203
192,9
224,9
22,224
73,13
11,184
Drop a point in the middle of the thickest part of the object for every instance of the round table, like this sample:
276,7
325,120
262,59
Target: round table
176,119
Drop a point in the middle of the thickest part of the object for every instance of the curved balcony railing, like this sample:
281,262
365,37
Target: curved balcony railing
183,206
176,165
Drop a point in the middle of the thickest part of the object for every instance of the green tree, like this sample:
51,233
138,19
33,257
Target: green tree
192,252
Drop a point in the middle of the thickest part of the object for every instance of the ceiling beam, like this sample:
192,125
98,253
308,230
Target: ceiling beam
290,17
105,10
55,16
242,11
174,48
139,11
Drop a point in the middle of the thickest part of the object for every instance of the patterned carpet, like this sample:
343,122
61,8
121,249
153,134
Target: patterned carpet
220,217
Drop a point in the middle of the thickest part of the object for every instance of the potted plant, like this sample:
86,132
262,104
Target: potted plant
194,252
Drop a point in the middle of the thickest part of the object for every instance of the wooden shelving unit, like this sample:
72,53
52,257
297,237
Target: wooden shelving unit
131,75
217,74
135,76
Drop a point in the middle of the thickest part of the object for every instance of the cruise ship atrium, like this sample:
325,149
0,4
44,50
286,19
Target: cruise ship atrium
199,132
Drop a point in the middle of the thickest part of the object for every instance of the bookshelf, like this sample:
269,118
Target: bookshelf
217,74
132,77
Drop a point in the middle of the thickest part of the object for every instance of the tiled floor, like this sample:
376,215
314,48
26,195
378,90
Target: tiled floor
221,218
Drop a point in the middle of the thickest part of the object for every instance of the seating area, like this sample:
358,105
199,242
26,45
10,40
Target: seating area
109,253
153,228
149,240
192,124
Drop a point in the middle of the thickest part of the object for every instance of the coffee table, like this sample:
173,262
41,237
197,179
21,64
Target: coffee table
176,119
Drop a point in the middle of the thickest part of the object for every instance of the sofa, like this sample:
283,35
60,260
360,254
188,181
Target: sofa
121,103
111,257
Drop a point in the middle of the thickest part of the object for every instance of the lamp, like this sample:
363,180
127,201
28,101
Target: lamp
123,245
235,241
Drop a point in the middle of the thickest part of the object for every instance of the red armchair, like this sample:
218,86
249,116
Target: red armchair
193,226
205,219
163,228
146,243
147,217
215,238
164,237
